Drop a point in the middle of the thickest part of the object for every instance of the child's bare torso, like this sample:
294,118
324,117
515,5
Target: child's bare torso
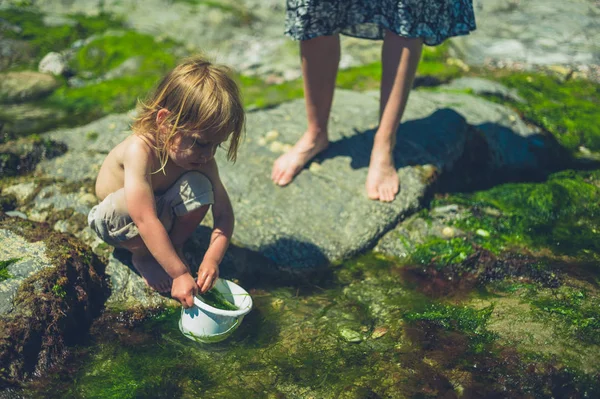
112,174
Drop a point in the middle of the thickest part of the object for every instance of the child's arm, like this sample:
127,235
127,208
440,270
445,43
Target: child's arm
139,198
222,230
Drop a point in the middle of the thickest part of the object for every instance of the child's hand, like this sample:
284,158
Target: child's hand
207,275
184,289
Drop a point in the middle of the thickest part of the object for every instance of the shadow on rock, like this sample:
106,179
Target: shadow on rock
436,139
260,269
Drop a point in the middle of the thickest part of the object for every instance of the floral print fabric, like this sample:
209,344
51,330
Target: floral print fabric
432,20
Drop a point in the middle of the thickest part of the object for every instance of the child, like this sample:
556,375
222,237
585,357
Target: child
156,186
404,25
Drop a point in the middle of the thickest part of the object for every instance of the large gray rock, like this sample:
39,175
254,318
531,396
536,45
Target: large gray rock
324,215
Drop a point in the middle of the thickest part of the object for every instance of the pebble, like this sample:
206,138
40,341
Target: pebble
448,232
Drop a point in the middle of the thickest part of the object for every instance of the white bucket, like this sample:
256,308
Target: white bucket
207,324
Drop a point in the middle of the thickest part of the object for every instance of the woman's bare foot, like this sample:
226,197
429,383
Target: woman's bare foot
382,180
291,163
154,275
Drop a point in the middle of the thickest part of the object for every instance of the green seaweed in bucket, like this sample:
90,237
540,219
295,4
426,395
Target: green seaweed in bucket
215,299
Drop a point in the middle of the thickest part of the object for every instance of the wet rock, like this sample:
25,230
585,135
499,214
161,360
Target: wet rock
53,63
53,292
25,86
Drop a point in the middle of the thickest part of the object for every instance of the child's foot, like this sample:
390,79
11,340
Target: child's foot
291,163
382,180
152,272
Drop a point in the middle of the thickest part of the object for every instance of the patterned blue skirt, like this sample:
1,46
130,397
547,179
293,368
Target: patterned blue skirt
432,20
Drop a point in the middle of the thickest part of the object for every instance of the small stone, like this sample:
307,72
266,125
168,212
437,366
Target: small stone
53,63
561,70
452,208
459,63
286,147
314,167
261,141
448,232
482,233
277,304
350,335
379,332
88,199
112,126
584,150
271,135
16,214
276,146
491,211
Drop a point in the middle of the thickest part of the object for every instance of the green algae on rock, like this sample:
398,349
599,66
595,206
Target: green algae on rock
102,93
4,264
44,39
561,214
566,108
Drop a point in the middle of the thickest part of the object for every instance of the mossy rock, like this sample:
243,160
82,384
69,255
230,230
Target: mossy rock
53,291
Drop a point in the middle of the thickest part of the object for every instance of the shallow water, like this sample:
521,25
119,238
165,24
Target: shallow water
366,330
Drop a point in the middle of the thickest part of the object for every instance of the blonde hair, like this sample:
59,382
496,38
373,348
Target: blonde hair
200,96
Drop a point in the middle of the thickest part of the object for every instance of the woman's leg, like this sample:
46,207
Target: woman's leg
400,58
320,59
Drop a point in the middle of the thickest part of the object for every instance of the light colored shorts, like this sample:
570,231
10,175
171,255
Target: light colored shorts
112,223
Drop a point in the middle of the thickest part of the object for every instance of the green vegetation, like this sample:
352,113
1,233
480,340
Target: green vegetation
98,98
217,300
562,214
566,108
576,308
4,264
44,39
440,252
59,290
259,94
111,50
471,322
367,77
